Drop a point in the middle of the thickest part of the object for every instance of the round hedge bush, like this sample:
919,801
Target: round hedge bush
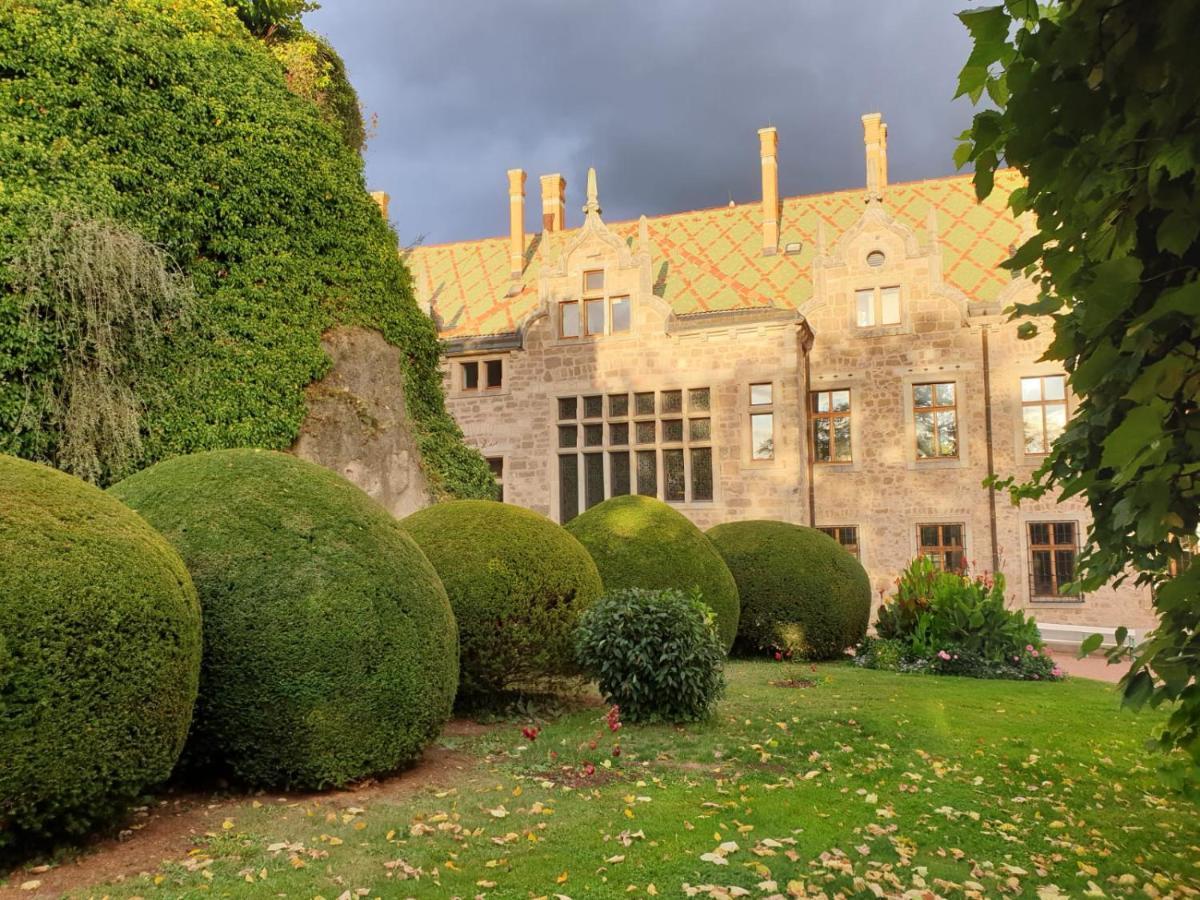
330,650
640,542
517,582
801,592
99,654
656,654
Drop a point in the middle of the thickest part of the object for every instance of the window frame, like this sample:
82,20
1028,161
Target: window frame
933,409
497,476
942,547
876,307
836,532
830,416
481,364
754,410
562,335
1042,403
1052,548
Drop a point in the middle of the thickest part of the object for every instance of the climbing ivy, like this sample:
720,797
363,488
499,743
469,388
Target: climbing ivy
1097,104
172,119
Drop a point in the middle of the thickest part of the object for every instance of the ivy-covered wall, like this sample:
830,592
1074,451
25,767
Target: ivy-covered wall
173,119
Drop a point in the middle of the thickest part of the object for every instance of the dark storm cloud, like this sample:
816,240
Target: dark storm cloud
663,97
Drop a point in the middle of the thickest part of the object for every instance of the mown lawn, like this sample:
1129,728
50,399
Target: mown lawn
862,783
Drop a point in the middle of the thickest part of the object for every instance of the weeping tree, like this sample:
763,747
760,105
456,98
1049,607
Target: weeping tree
1097,104
106,300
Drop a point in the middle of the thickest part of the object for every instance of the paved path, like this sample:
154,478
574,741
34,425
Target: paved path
1096,667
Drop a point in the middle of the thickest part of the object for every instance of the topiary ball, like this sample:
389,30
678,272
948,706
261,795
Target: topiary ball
517,582
330,650
99,654
801,591
644,543
656,654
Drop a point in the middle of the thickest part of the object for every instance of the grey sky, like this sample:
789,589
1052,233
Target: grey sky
663,97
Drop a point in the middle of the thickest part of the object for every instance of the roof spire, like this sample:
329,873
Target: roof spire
593,194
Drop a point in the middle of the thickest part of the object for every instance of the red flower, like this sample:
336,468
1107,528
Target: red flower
589,769
530,732
778,656
616,749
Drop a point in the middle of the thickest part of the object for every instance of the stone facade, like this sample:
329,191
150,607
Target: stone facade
705,371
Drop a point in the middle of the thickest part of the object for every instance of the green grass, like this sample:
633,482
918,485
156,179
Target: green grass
865,778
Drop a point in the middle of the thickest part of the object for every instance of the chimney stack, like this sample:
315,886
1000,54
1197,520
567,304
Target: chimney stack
875,139
381,199
554,202
768,139
516,221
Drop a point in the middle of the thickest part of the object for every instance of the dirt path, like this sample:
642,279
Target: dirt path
168,830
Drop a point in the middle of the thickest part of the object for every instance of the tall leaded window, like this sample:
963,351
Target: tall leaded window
831,426
943,543
935,418
762,421
655,443
1043,411
1053,547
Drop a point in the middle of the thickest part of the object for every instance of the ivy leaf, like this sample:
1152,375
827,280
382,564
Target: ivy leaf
1178,232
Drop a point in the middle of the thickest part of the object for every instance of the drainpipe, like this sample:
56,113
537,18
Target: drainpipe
804,405
991,463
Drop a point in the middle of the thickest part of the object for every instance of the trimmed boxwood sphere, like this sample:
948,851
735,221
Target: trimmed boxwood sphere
517,582
640,542
330,650
801,591
99,654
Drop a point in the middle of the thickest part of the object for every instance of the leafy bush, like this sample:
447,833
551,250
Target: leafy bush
640,542
801,591
99,654
656,654
951,623
330,650
517,582
173,120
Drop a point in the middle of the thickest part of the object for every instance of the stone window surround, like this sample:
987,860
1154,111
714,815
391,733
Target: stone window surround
876,279
606,294
457,377
852,382
1032,370
858,534
745,410
1053,515
632,447
956,374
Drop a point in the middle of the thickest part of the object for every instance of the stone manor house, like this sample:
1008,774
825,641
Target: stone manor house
840,360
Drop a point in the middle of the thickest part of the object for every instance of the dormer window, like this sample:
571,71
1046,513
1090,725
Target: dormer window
877,306
594,314
568,319
620,313
593,281
593,320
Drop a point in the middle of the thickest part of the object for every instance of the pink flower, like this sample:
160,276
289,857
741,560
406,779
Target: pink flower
1056,672
1029,648
1034,652
942,654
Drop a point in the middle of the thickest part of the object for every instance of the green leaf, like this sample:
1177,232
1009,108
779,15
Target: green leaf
1141,425
988,25
1178,231
1090,645
1115,282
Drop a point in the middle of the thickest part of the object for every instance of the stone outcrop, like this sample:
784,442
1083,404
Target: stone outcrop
357,425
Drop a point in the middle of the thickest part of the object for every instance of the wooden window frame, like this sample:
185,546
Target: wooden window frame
497,476
836,532
586,327
876,292
933,409
830,417
562,305
462,376
594,292
1042,403
612,301
1053,548
941,548
760,409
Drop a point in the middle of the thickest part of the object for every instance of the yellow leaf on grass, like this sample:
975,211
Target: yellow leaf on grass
561,878
651,889
227,824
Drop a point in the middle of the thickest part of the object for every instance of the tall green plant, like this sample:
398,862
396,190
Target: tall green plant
1097,104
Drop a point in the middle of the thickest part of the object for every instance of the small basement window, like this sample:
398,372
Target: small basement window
495,373
470,375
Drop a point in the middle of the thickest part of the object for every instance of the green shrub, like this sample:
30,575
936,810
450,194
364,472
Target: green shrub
99,654
173,120
656,654
517,582
800,590
330,650
640,542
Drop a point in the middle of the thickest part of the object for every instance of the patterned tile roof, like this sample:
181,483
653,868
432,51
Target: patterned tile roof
711,260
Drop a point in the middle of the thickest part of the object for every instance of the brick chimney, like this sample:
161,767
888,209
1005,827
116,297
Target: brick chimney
875,139
768,139
381,199
516,221
554,202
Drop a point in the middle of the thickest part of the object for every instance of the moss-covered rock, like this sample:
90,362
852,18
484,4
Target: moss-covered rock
640,542
801,591
99,654
330,649
517,582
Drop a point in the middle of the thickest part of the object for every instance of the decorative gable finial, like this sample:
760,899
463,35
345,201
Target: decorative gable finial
593,194
643,235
